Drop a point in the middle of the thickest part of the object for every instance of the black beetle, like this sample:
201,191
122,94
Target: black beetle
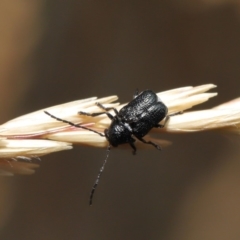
134,120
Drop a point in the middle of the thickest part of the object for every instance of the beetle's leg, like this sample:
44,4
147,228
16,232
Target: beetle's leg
133,147
149,142
96,114
107,109
165,122
73,124
167,119
136,93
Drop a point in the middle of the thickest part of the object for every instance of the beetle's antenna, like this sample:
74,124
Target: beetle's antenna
105,161
73,124
98,176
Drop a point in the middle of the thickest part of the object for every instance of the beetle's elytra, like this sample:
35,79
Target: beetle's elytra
132,122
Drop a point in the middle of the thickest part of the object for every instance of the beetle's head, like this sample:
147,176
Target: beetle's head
118,134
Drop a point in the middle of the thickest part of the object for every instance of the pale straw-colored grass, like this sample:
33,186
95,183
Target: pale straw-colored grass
37,134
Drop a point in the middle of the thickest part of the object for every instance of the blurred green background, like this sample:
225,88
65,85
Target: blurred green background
58,51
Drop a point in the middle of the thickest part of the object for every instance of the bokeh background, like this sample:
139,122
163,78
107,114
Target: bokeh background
58,51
